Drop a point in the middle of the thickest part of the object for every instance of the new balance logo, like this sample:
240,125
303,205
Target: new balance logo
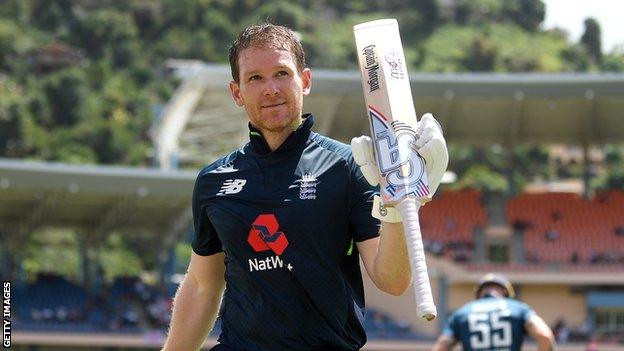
232,186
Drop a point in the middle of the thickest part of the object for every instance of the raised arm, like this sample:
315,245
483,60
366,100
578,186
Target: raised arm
541,333
196,303
385,259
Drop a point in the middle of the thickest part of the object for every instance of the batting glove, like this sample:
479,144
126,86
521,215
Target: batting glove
430,144
362,150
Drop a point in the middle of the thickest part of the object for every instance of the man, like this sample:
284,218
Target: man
280,222
494,321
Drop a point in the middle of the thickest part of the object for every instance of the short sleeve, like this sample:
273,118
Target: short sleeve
449,327
362,224
527,313
205,240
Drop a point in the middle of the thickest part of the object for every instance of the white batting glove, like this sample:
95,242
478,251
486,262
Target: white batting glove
362,149
430,144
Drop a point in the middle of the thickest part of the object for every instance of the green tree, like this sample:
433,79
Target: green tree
14,44
108,34
591,40
576,57
117,259
469,12
481,55
284,13
482,178
52,250
612,63
11,113
148,18
529,14
56,16
613,175
418,19
65,92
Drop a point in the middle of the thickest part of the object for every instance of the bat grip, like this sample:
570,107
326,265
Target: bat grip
425,307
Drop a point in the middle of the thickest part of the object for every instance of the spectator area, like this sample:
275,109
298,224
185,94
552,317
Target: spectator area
558,228
453,215
449,221
53,303
565,228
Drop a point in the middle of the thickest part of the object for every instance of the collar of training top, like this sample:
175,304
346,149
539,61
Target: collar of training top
294,140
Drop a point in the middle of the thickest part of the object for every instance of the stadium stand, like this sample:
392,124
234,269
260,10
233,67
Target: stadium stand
52,303
380,325
575,234
449,222
565,228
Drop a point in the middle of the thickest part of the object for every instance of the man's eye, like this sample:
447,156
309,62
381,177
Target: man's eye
282,73
255,77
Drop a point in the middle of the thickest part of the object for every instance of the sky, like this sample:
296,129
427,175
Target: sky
570,15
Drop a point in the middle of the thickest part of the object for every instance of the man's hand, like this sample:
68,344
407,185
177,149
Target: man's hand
362,149
430,144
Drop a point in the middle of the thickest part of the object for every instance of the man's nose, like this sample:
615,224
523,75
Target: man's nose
271,87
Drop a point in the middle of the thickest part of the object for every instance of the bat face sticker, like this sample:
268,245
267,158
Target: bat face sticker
399,163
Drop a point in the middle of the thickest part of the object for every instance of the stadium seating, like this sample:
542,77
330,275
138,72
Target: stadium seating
92,313
53,303
559,228
565,228
379,325
449,222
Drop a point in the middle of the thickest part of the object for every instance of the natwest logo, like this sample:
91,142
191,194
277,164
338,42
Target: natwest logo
264,235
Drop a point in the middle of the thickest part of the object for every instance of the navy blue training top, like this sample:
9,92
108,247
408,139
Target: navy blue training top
490,323
287,221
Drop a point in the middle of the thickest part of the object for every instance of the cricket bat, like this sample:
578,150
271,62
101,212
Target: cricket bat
393,122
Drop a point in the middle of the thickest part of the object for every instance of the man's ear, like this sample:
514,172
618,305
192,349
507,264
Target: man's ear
236,95
306,80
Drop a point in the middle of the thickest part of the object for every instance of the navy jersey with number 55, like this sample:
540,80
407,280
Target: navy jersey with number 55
490,323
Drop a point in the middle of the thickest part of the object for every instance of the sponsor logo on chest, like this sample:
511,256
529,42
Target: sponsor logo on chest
265,235
265,264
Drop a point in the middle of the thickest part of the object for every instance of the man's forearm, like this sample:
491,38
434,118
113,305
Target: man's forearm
194,313
541,333
545,344
392,268
444,343
545,341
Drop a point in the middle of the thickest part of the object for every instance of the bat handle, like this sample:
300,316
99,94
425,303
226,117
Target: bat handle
425,307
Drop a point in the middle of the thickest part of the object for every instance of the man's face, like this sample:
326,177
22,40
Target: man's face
271,89
493,289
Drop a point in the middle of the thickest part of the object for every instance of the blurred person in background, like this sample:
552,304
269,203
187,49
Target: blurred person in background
494,321
280,224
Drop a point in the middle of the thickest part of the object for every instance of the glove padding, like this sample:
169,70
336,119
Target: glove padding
430,144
